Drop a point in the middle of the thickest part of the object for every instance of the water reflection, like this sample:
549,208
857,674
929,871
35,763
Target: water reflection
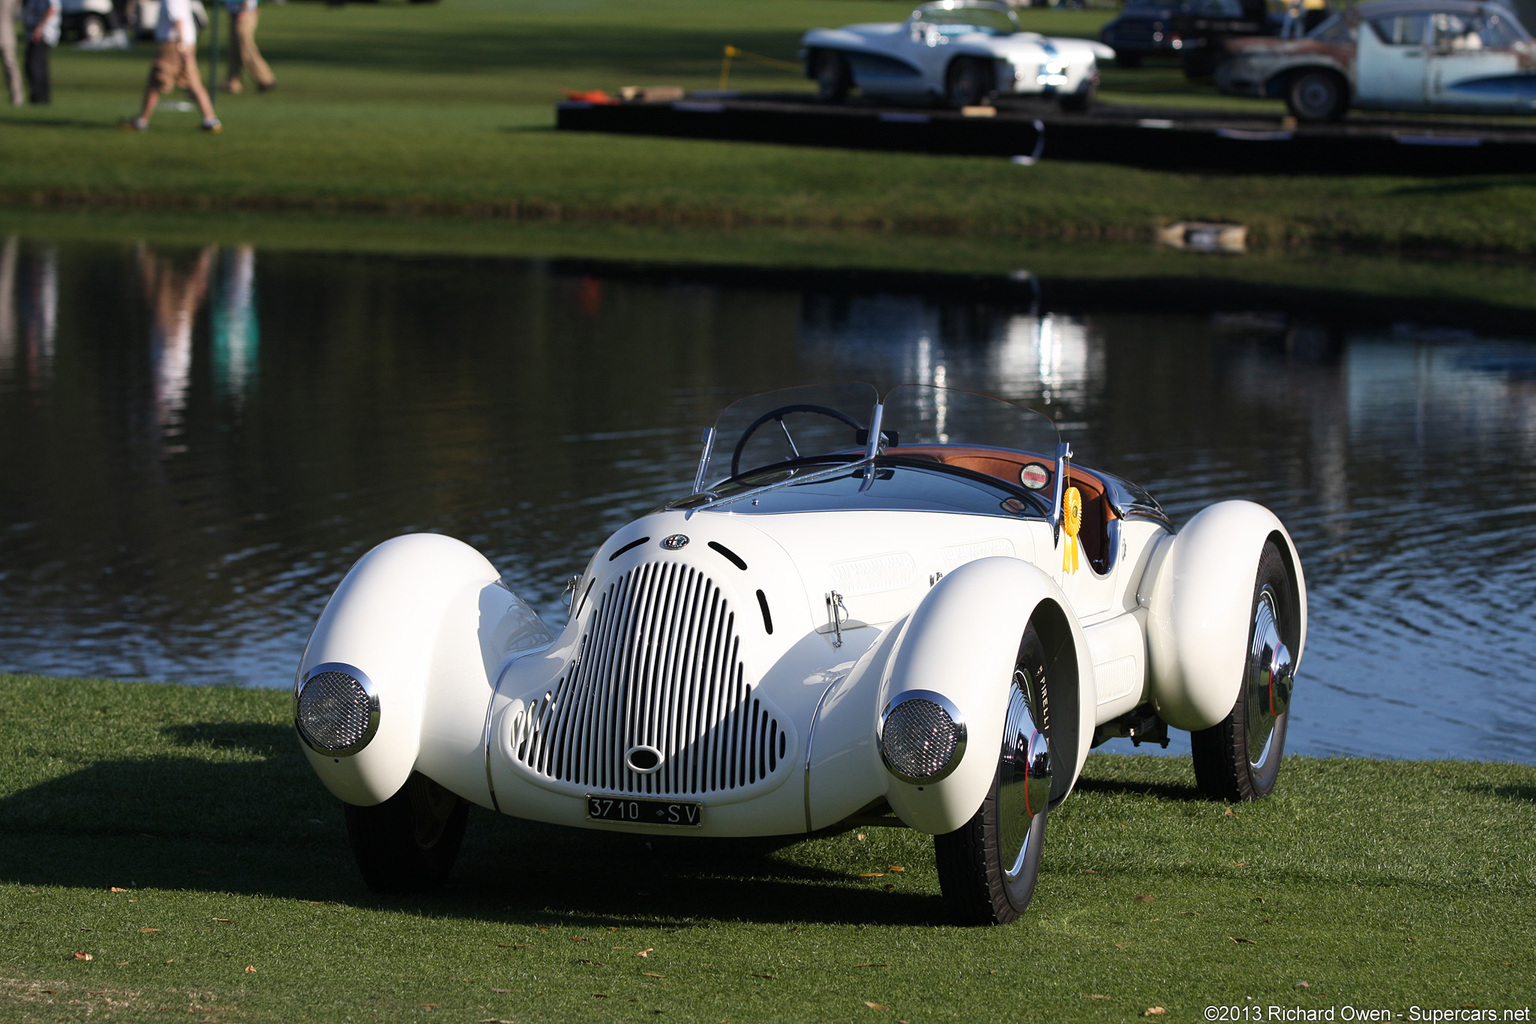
1021,353
174,294
29,311
210,436
236,327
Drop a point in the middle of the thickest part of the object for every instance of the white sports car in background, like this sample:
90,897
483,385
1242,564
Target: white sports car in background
912,611
960,51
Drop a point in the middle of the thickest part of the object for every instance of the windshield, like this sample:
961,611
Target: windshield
919,414
954,17
823,423
788,426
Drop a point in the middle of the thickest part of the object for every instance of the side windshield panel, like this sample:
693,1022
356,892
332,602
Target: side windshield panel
1401,30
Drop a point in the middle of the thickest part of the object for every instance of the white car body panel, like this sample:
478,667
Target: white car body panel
424,617
1197,610
1389,75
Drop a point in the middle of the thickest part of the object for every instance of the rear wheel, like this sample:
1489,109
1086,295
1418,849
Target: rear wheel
410,841
988,867
1239,757
1127,59
833,77
1317,96
968,82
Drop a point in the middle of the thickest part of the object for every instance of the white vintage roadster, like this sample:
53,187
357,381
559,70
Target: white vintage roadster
963,52
913,611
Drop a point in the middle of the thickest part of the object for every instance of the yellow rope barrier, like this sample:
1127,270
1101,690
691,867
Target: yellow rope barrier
732,51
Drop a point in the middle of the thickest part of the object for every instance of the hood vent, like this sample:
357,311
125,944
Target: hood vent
658,666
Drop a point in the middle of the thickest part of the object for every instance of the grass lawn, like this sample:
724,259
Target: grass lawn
447,110
166,854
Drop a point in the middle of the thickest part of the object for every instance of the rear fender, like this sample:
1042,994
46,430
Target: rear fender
425,620
962,641
1199,604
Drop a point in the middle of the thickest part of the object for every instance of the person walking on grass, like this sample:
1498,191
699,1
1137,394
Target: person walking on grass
8,12
175,64
244,55
40,19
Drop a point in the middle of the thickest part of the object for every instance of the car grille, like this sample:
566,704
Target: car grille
659,666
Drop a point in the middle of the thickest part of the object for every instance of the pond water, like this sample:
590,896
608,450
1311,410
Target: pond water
196,444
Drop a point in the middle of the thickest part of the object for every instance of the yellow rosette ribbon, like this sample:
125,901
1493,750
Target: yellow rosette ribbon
1071,523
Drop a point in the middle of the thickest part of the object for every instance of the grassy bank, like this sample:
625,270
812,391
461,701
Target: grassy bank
174,837
447,110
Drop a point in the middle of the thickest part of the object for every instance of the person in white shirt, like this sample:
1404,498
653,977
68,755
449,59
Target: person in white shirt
175,64
40,19
244,55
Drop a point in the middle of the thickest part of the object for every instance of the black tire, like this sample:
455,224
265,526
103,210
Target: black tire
410,841
1127,59
988,866
1317,96
1238,758
1201,62
967,82
1080,102
834,79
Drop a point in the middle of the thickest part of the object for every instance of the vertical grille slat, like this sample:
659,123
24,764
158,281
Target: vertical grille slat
658,665
608,719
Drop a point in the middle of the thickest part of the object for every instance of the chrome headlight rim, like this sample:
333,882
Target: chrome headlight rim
957,720
371,697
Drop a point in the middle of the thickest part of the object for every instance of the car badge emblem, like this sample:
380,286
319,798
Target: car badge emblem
676,542
1034,476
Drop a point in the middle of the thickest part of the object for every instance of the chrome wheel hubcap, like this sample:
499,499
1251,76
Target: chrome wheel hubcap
1024,776
1270,678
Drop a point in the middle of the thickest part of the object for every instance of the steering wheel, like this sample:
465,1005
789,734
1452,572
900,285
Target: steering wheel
779,414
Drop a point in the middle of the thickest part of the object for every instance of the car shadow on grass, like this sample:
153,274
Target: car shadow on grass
58,122
1514,794
236,809
1464,186
1156,790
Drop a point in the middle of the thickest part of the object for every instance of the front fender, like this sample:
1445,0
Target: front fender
962,641
426,621
1199,606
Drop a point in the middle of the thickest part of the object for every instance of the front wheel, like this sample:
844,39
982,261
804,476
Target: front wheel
1317,96
988,866
968,82
1239,757
1080,102
834,79
410,841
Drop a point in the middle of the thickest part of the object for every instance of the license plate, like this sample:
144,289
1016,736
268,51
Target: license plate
645,812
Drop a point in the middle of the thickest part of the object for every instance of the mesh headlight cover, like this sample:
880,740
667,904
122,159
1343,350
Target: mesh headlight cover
337,711
922,737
